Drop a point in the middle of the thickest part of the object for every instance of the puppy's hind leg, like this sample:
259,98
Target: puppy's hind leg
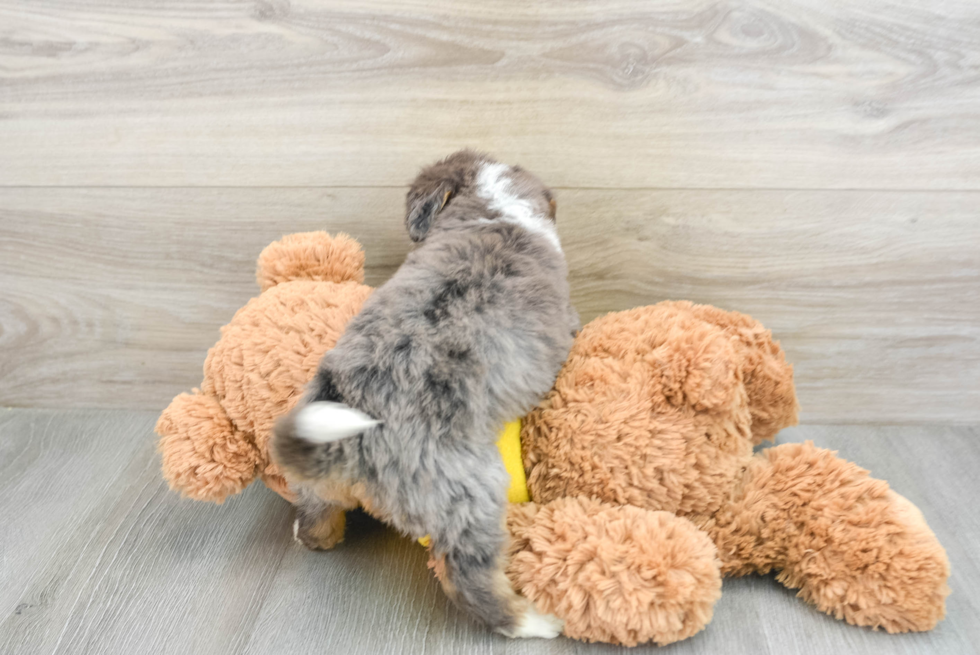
474,579
319,525
477,584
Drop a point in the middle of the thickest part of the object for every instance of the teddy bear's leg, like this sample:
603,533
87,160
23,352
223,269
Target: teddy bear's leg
204,456
319,525
854,548
614,573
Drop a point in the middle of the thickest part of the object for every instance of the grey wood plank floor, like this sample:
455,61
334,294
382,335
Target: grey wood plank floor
98,556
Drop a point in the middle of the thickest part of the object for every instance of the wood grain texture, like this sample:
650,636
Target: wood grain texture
111,297
114,296
624,94
98,557
874,296
105,559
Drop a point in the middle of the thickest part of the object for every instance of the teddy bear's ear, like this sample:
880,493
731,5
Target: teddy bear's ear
311,256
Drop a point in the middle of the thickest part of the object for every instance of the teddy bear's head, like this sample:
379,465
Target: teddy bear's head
659,407
215,441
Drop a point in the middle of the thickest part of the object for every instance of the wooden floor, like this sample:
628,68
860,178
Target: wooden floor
814,164
98,556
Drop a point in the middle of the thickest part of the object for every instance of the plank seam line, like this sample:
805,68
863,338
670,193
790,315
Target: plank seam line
559,188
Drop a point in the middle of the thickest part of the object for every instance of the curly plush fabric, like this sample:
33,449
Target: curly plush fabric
202,450
618,574
659,408
310,256
853,547
215,442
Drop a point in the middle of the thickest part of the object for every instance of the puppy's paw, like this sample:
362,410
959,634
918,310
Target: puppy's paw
533,624
322,535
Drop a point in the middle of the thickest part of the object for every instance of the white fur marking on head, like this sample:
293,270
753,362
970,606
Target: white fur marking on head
323,422
296,533
495,186
534,624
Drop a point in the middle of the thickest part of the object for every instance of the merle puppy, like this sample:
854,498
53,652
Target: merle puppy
403,414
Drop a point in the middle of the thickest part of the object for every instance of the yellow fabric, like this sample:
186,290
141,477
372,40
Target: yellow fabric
509,445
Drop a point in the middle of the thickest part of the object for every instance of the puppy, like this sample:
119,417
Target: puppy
403,414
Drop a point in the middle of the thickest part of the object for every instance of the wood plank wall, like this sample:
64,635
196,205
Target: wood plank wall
814,164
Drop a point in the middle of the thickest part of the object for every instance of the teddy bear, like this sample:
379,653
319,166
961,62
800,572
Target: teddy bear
658,408
639,463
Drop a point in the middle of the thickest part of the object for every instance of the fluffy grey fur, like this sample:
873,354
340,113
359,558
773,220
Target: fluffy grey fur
469,333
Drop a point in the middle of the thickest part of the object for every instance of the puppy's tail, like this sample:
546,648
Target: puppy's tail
299,434
323,422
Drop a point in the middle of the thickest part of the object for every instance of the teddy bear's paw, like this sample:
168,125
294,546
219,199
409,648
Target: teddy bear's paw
533,624
618,574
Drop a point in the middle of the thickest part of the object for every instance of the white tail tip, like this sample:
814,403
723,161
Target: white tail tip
535,625
324,422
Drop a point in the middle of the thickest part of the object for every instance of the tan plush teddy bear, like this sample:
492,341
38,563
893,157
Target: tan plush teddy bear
639,462
658,408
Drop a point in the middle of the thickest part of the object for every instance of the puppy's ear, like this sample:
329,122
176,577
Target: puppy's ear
422,207
435,186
